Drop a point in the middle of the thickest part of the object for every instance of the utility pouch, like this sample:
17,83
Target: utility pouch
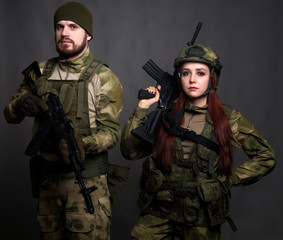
154,180
165,200
117,177
209,190
206,159
215,200
191,209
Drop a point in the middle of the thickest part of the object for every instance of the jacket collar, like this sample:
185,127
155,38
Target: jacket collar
76,65
196,109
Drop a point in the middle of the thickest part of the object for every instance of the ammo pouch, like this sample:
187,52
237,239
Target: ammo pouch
117,177
167,203
164,201
154,180
215,200
151,181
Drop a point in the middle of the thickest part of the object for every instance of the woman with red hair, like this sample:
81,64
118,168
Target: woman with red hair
186,179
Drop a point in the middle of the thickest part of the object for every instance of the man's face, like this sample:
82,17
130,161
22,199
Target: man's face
71,39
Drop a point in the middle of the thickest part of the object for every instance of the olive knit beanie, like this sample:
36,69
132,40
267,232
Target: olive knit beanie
76,12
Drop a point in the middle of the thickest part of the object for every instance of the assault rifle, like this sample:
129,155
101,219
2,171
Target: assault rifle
168,94
56,123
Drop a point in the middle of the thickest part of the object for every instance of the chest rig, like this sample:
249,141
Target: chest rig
73,94
193,193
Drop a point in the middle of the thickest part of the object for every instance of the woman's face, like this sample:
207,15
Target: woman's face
194,80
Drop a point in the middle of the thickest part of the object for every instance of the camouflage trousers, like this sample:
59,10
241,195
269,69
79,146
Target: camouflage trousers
62,213
155,228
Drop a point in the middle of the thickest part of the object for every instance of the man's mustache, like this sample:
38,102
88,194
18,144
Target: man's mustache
65,39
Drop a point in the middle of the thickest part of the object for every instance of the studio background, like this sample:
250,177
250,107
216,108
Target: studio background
247,35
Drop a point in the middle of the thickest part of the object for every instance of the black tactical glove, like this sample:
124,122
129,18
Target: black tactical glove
31,105
63,149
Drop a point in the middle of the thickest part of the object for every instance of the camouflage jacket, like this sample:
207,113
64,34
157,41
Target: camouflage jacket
103,97
246,137
190,194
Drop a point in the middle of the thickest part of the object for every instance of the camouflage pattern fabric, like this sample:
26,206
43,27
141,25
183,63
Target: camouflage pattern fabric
133,148
198,53
104,94
190,194
61,209
62,212
245,136
155,228
262,158
104,100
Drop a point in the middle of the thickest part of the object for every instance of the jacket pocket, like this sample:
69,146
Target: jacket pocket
49,224
105,205
80,223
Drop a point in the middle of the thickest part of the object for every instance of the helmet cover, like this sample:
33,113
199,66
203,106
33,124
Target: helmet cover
199,53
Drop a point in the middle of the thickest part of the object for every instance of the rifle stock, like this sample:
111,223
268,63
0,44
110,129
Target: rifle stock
149,130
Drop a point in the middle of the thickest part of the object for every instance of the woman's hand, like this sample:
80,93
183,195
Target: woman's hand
146,103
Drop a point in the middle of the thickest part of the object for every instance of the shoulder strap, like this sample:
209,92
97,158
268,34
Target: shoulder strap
87,74
91,69
185,134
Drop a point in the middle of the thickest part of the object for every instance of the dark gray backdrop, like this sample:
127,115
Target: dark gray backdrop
246,34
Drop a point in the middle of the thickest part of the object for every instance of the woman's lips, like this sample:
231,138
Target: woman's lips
193,88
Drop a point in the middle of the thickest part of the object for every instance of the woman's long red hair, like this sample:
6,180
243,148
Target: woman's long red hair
163,147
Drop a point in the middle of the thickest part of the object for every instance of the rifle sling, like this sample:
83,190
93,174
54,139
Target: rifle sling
185,134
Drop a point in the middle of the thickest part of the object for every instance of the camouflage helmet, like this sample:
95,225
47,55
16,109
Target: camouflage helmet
199,53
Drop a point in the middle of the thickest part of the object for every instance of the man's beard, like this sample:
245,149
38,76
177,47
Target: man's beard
65,53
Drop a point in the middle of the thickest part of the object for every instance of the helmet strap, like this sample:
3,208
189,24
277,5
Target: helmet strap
209,88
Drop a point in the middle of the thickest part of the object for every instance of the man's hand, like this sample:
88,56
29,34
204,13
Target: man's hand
64,152
31,105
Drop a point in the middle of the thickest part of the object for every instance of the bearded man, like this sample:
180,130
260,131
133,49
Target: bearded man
91,98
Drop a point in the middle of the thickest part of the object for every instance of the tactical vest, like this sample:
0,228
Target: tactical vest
193,193
73,95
